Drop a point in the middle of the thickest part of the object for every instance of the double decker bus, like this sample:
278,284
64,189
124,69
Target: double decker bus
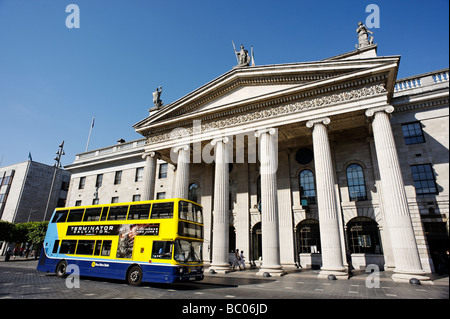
147,241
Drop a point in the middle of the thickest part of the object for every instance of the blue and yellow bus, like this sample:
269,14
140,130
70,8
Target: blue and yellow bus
147,241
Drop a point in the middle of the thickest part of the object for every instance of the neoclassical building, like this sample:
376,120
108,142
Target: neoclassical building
300,164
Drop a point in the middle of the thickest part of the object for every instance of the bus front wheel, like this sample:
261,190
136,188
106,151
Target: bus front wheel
61,269
134,276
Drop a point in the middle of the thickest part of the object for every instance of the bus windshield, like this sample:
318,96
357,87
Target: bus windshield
186,251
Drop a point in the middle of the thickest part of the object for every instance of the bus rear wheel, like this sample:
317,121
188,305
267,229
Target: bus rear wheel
61,269
134,276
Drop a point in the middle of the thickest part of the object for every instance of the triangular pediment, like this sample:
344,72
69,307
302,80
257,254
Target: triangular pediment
247,85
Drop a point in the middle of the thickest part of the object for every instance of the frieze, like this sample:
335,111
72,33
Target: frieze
269,112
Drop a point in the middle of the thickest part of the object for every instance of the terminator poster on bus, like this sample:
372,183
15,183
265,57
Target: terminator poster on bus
127,234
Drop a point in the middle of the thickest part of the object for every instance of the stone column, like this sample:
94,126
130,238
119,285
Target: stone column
396,210
332,261
182,176
268,157
148,190
220,249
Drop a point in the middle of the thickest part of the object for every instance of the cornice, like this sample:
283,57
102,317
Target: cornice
268,109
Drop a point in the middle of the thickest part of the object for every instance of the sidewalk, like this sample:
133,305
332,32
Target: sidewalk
294,274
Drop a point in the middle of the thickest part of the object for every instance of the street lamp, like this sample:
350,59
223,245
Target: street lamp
57,165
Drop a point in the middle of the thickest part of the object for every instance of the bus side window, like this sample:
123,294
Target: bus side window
92,214
55,246
139,211
117,213
75,215
98,246
162,210
106,249
68,246
85,247
60,216
104,213
162,250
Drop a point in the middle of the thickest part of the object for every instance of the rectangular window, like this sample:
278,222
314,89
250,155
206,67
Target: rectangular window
106,248
162,250
139,174
68,247
161,195
82,183
413,134
162,210
92,214
118,178
136,198
99,181
163,170
118,212
60,216
75,215
85,247
55,247
139,211
98,247
424,180
114,199
78,203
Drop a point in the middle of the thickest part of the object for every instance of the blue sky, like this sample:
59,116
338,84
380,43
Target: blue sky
53,79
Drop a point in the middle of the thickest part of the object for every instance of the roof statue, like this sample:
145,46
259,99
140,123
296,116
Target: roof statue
364,39
243,58
156,97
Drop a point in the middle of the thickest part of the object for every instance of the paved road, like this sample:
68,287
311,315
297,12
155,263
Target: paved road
20,280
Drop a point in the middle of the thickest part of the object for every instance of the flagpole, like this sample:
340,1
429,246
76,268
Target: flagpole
90,130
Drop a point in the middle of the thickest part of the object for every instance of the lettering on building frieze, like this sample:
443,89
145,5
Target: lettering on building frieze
270,112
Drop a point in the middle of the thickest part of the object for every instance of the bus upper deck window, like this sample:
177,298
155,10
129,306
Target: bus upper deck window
139,211
60,216
75,215
92,214
118,212
162,210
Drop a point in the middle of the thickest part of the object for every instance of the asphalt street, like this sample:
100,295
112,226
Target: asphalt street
20,280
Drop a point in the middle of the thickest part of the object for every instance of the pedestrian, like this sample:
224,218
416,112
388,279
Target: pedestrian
349,262
236,259
8,254
242,259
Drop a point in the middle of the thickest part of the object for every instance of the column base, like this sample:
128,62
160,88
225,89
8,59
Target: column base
339,274
273,272
406,276
220,269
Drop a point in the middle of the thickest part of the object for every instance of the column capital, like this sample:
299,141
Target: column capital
322,120
271,131
387,109
176,149
224,140
152,154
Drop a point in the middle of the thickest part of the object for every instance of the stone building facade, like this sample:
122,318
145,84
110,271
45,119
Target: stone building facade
25,188
300,164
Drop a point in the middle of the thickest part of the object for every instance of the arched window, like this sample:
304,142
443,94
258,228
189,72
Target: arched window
192,194
308,236
363,236
355,182
307,187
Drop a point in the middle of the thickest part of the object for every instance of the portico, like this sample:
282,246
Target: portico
243,139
